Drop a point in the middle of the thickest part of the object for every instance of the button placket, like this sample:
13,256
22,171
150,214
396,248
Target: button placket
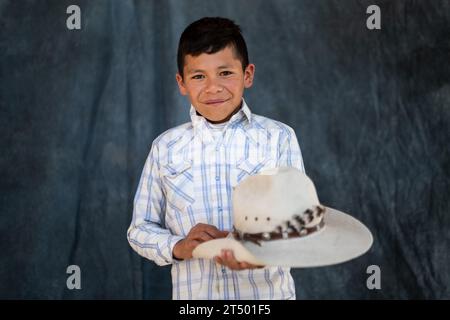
217,177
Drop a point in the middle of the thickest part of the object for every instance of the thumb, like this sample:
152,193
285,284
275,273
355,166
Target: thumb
224,233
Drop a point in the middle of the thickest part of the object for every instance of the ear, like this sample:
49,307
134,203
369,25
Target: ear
181,84
249,74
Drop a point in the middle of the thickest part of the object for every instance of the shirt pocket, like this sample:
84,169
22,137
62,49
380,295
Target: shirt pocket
179,184
249,166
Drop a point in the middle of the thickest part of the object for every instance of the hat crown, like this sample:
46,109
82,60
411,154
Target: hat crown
266,201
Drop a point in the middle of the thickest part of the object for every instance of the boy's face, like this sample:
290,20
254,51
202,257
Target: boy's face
214,83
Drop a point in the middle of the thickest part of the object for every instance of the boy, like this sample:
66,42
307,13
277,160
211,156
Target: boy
184,194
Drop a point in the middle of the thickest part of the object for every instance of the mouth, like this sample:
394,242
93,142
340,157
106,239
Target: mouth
215,102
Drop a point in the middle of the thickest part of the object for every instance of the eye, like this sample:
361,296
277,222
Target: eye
226,73
197,77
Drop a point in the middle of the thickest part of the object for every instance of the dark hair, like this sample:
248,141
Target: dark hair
210,35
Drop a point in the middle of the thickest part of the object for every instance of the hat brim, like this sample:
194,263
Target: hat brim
341,239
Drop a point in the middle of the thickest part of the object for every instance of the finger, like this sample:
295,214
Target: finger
201,236
246,265
218,260
216,233
229,260
211,230
201,226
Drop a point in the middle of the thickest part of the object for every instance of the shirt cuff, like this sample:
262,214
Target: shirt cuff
172,242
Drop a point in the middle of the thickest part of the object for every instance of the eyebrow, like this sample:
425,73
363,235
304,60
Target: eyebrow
226,66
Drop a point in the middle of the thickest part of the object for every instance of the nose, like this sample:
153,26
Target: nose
213,86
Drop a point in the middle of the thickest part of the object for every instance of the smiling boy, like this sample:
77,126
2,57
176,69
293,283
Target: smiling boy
184,194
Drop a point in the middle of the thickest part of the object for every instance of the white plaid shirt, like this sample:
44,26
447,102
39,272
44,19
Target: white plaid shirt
188,179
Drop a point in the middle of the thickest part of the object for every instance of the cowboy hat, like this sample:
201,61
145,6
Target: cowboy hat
279,221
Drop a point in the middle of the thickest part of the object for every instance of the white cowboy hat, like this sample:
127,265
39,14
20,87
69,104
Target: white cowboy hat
279,221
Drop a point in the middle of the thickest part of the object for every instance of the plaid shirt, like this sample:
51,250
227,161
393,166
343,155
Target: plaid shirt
188,179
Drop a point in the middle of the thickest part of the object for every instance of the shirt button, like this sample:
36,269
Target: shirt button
217,178
220,209
224,270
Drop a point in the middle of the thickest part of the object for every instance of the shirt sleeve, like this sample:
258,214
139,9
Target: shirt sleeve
146,234
290,153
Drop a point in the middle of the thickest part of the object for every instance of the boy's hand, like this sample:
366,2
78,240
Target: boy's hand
199,233
227,259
